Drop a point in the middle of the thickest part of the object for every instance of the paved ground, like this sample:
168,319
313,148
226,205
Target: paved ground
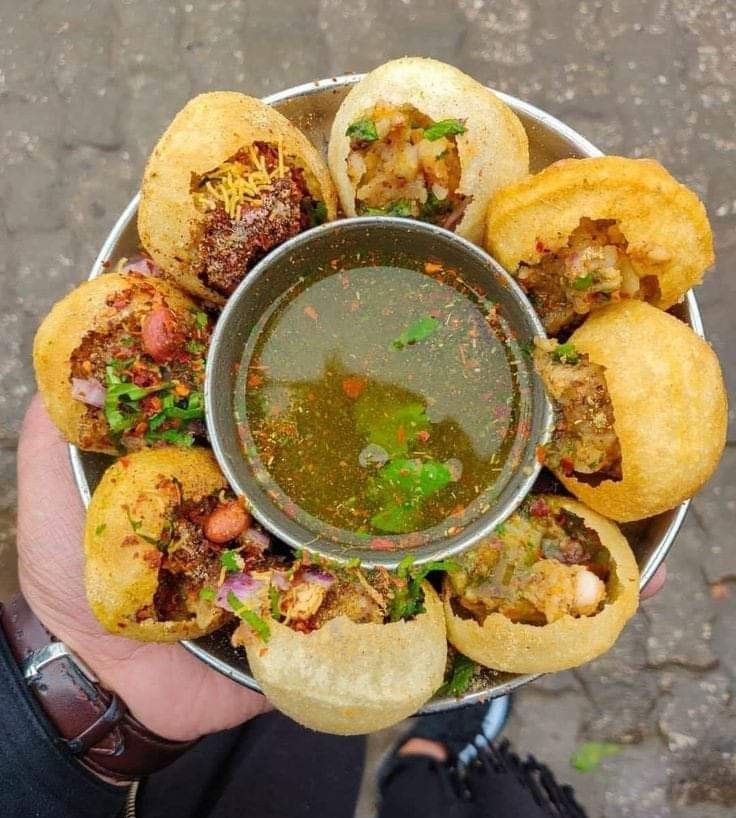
85,89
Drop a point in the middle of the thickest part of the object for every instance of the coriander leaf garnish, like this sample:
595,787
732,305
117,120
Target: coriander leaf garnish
122,410
207,594
100,529
400,207
408,601
173,436
195,347
420,330
434,206
363,130
445,127
393,425
231,560
274,597
566,353
250,617
463,670
317,214
136,525
200,318
583,282
160,542
401,487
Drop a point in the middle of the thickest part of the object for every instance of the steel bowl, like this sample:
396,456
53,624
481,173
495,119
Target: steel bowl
349,243
312,107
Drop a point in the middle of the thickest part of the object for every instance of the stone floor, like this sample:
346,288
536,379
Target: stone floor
85,89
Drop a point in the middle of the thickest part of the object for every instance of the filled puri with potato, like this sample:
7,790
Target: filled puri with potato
382,403
419,138
120,364
583,233
345,649
552,588
161,527
171,553
641,410
229,180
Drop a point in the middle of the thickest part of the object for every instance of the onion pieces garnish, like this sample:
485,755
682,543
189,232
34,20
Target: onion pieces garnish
142,265
244,586
323,578
258,538
280,580
89,391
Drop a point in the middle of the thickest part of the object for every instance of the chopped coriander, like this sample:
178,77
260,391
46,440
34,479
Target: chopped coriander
583,282
136,525
353,563
175,437
392,425
463,670
207,594
408,602
231,560
566,353
317,214
120,363
445,127
363,130
200,318
274,598
195,347
250,617
122,411
434,206
160,542
100,529
500,529
590,754
420,330
400,207
400,488
127,341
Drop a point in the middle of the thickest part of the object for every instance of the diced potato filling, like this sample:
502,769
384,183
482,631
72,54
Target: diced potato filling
584,441
401,165
591,270
539,566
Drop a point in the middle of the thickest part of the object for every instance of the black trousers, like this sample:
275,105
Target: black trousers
272,768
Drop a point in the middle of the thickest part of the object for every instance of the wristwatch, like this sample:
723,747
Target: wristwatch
93,723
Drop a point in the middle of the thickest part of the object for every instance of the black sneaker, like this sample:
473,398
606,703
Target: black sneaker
464,727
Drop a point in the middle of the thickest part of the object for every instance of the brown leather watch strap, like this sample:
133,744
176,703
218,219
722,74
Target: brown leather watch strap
93,723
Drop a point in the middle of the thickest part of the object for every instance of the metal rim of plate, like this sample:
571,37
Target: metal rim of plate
668,524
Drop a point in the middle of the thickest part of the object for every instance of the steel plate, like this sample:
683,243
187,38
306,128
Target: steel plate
311,107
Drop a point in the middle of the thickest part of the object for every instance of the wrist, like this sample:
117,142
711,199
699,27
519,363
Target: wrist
92,723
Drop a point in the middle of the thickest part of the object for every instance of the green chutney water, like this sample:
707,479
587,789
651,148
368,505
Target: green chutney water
379,400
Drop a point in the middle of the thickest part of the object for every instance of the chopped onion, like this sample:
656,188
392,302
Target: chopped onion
258,538
142,265
244,586
280,580
323,578
89,391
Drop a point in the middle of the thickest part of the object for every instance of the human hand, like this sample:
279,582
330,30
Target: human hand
170,691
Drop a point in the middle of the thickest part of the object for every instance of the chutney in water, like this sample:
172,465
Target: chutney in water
379,400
